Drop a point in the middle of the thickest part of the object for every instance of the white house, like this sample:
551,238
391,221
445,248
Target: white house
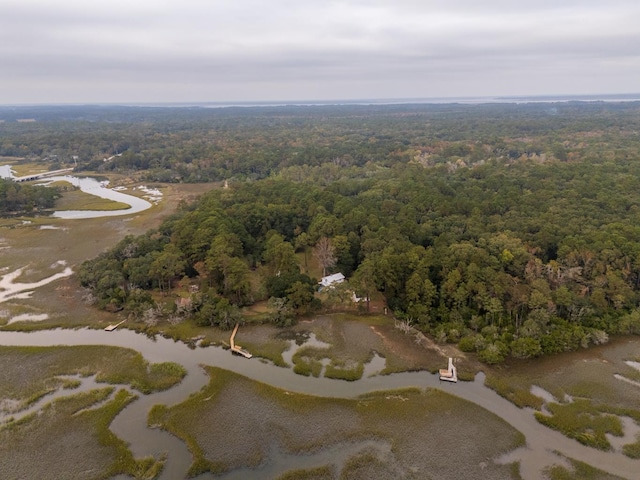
331,279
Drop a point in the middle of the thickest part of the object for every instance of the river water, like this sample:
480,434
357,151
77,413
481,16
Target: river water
93,187
130,424
6,171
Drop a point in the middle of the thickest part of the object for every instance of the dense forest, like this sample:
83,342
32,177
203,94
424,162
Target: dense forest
508,229
17,198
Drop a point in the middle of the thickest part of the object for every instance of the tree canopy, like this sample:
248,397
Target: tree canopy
509,229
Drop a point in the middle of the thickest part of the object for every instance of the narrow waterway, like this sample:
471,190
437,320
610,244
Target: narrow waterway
94,187
130,424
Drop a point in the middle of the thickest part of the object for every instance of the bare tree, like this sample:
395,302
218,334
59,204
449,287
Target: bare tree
325,254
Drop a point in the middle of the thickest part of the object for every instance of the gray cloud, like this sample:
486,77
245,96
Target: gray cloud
193,50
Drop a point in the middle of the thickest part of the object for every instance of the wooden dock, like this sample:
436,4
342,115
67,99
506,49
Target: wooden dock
237,348
449,374
111,328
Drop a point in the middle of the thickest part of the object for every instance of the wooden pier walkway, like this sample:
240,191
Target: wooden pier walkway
111,328
237,348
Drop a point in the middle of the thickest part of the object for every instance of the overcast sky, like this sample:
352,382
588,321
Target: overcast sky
130,51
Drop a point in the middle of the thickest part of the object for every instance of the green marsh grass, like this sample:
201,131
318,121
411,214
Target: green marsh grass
343,372
582,421
307,361
365,466
318,473
31,372
71,383
632,450
271,350
79,200
579,471
513,392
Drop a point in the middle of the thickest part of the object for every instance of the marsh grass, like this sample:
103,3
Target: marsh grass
344,372
632,450
257,417
30,372
181,422
71,438
22,169
319,473
309,360
587,375
366,466
515,471
582,421
580,471
184,331
271,351
514,392
584,373
79,200
71,383
307,366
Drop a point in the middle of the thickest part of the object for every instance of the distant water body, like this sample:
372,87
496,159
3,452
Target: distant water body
470,100
631,97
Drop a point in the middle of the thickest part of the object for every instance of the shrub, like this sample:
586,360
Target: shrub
493,353
526,348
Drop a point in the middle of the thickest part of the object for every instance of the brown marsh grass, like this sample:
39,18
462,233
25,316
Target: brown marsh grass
428,430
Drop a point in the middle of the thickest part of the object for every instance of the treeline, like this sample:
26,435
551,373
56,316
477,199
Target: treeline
328,143
518,256
16,198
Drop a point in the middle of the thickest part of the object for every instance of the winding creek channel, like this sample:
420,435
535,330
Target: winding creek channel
131,423
93,187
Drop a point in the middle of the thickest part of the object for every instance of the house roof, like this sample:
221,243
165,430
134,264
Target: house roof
331,279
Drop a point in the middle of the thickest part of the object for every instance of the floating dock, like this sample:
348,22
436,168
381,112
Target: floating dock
237,348
449,374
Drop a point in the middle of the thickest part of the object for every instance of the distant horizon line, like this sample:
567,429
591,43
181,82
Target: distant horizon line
468,100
